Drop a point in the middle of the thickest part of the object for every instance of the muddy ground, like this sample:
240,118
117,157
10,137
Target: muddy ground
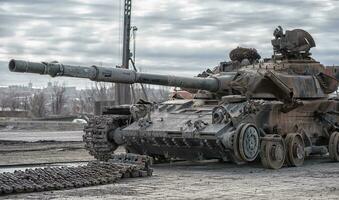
317,179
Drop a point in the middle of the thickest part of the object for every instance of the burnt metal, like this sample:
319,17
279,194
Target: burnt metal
240,108
292,44
239,54
272,151
295,147
334,146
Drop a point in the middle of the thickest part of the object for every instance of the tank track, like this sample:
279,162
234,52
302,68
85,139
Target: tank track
96,138
58,178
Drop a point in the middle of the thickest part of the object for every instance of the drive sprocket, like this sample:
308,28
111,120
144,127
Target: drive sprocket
96,136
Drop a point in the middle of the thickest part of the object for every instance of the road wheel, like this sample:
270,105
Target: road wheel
263,154
273,151
237,158
295,154
249,142
333,146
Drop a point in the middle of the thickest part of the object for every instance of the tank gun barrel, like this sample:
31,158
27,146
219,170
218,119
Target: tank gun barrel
117,75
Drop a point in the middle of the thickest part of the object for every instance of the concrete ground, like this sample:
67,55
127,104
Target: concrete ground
31,136
317,179
26,153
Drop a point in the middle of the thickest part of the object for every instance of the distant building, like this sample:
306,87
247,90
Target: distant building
23,93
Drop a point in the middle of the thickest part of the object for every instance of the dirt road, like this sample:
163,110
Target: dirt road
318,179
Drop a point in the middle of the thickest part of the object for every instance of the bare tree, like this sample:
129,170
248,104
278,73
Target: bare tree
37,104
154,94
12,101
58,98
162,93
86,102
4,102
99,91
25,103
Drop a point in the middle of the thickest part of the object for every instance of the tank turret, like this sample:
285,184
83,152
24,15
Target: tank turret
283,80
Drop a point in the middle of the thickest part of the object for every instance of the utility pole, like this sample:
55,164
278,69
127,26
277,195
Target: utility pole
122,91
134,33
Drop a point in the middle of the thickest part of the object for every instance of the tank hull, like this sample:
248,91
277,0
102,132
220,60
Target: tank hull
172,133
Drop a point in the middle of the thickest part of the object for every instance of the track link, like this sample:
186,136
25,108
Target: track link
57,178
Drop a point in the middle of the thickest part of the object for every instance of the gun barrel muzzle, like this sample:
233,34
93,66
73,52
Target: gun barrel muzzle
25,66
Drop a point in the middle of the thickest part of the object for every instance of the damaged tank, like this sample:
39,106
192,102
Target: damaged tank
277,109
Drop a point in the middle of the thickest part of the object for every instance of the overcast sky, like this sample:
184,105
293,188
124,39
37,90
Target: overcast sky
174,37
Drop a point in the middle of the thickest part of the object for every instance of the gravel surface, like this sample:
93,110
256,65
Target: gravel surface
317,179
32,136
24,153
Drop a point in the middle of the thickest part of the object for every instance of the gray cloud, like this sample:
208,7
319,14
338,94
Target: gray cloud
174,37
